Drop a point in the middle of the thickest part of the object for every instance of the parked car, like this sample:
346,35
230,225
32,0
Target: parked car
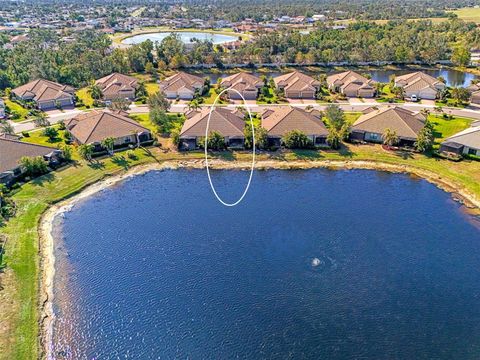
414,98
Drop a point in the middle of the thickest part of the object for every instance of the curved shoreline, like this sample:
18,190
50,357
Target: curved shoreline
45,227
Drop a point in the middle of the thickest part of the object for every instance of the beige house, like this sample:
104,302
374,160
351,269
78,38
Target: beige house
181,86
12,151
419,84
466,142
297,85
351,84
2,109
46,94
117,86
474,90
246,84
229,124
281,120
95,126
372,125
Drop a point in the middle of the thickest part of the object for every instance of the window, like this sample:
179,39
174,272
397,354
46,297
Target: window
472,152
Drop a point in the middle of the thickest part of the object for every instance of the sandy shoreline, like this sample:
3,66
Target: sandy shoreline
47,254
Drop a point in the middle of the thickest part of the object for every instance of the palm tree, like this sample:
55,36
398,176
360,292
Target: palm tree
193,105
390,137
86,151
41,120
95,91
108,144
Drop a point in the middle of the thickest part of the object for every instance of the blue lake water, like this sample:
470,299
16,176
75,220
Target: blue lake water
313,264
185,36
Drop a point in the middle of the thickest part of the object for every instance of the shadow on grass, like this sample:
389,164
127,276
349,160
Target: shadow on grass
120,160
303,154
222,155
41,180
405,155
96,165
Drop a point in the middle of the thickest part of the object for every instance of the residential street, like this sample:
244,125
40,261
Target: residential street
56,116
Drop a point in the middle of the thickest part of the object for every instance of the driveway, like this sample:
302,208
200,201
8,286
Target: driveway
427,102
302,101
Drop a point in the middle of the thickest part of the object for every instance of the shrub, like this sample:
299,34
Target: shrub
296,139
131,155
25,134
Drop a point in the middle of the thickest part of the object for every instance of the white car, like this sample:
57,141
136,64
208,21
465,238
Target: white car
414,98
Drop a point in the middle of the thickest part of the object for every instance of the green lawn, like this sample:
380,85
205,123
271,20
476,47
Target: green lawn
211,96
83,95
269,98
144,120
152,87
445,128
19,109
352,116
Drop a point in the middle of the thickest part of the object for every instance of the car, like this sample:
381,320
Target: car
414,98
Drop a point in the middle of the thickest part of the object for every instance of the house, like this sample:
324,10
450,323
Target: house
229,124
117,86
372,124
2,109
351,84
181,86
45,94
419,84
297,85
12,151
281,120
246,84
474,90
95,126
466,142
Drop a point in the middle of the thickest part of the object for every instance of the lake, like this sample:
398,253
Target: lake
452,77
186,36
313,264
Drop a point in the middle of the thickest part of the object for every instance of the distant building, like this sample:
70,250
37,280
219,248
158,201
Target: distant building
373,123
46,94
181,86
297,85
419,84
117,86
352,84
246,84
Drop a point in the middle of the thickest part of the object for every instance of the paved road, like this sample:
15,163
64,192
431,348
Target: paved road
472,112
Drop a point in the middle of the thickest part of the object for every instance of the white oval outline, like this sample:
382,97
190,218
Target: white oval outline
253,149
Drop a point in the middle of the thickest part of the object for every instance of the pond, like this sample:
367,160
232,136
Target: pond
452,77
186,36
313,264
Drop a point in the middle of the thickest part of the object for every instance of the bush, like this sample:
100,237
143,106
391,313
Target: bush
25,134
296,139
131,155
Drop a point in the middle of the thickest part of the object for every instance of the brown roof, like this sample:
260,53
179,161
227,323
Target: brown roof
242,81
181,80
95,126
349,79
225,122
116,83
11,151
405,123
469,137
44,90
281,120
296,81
417,81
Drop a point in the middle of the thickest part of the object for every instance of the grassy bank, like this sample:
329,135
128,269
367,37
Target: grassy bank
19,328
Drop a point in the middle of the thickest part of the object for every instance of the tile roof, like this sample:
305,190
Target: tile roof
469,137
405,123
225,122
95,126
296,81
350,80
281,120
417,81
44,90
11,151
116,83
181,80
242,81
